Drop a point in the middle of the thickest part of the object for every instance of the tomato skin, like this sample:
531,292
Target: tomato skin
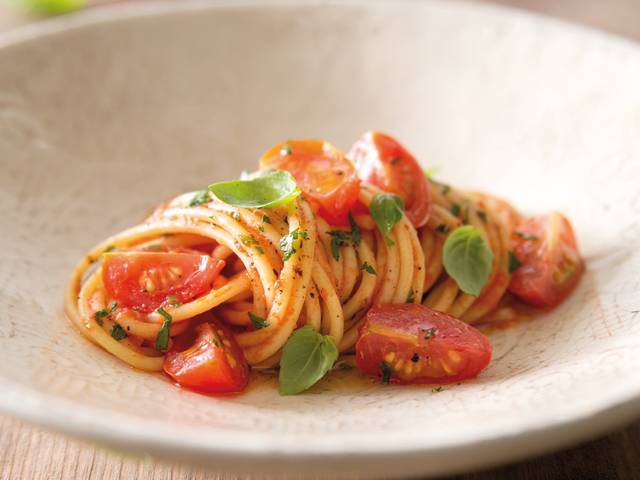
144,279
327,178
213,364
420,345
551,264
381,160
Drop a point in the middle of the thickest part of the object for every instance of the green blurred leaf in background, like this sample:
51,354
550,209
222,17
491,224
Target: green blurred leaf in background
48,7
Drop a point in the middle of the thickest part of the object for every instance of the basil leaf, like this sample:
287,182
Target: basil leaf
386,210
162,340
467,259
306,358
271,189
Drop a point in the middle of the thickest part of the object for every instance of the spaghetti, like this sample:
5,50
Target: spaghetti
286,267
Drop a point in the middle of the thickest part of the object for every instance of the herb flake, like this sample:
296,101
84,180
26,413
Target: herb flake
257,321
162,340
200,198
368,268
117,332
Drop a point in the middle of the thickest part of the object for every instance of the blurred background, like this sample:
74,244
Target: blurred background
621,17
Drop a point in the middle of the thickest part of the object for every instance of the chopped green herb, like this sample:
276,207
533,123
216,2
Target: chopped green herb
173,301
261,228
525,235
162,340
436,390
200,198
117,332
386,372
368,268
455,209
467,258
266,219
386,210
341,237
213,218
110,248
429,333
250,241
291,242
445,189
514,262
271,189
442,228
482,214
258,322
356,235
100,314
338,238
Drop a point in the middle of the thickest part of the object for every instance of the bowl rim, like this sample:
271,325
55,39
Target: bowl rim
77,420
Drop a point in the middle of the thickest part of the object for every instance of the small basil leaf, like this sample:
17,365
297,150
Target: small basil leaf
467,259
271,189
306,358
386,210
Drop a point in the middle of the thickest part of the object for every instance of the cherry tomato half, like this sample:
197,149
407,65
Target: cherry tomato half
213,364
327,178
382,161
409,343
145,279
551,264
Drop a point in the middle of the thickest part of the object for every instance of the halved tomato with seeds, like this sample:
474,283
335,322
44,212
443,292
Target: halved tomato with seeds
327,178
214,363
412,343
144,280
551,265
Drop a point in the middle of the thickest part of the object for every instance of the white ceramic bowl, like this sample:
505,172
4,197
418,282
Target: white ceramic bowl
105,113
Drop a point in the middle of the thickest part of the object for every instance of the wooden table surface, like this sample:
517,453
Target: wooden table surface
28,452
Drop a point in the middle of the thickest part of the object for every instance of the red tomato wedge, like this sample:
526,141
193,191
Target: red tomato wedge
144,279
382,161
326,177
213,364
410,343
551,263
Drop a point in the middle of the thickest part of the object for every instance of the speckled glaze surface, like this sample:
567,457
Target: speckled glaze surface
106,113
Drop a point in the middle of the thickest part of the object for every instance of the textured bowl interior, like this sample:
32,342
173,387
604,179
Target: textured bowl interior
101,118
